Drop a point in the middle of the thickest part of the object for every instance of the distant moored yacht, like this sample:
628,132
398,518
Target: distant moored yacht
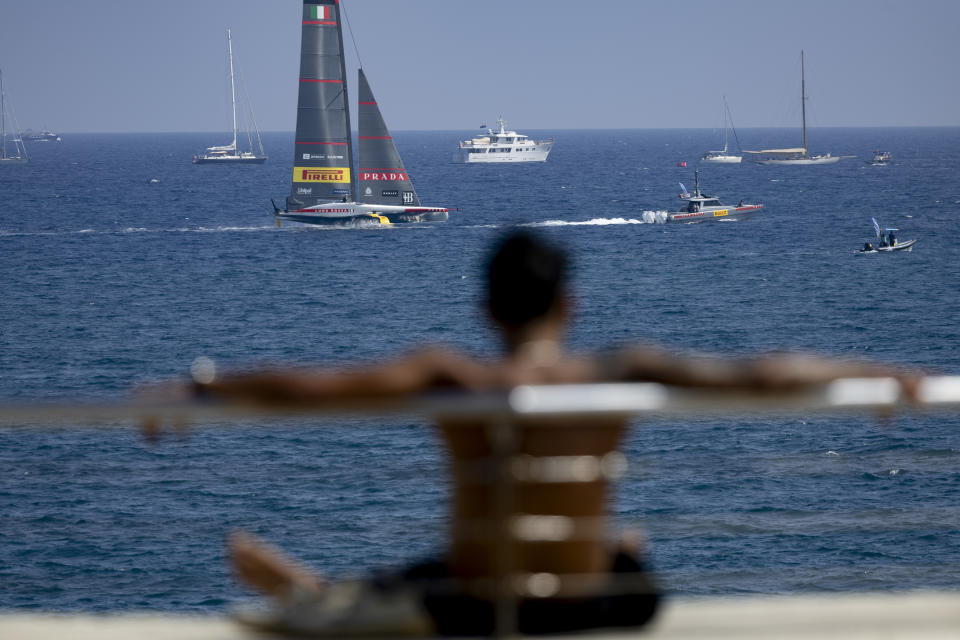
503,146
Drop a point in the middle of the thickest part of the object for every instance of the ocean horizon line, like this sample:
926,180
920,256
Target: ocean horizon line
290,131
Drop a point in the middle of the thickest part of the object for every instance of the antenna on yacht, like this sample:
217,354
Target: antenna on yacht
696,183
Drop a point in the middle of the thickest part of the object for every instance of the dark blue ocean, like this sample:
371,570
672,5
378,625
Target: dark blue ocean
121,262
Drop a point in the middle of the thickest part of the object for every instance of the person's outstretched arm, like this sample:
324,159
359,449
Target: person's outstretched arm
421,371
768,372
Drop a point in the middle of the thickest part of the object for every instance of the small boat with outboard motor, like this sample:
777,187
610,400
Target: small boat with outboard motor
701,207
887,241
880,158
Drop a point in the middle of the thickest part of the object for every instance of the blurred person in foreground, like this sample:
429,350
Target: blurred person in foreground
576,575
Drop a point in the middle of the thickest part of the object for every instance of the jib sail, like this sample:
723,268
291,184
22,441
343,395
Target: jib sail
381,176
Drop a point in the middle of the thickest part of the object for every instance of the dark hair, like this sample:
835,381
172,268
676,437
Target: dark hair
524,277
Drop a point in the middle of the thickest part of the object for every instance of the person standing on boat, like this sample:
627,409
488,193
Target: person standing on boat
578,578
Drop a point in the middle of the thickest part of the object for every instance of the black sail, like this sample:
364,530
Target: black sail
323,156
381,176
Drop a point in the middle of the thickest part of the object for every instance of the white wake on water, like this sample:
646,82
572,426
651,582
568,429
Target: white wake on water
648,217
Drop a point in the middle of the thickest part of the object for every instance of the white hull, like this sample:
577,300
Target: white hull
722,159
536,153
802,161
246,158
503,146
906,246
44,136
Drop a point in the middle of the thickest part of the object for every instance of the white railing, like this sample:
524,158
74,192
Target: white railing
505,468
606,399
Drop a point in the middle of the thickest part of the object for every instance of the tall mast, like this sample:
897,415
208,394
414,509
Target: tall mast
803,101
724,124
233,92
3,119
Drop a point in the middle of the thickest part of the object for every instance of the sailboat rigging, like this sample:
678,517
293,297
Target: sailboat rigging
325,189
796,156
18,153
723,156
229,153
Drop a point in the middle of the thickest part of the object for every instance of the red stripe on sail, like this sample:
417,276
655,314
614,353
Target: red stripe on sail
366,103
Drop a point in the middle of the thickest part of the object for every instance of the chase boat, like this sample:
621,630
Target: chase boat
703,208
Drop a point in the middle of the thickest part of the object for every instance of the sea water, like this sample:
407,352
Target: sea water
121,262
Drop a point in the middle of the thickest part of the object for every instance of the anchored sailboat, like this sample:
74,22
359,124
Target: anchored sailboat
228,153
17,152
723,156
324,190
797,155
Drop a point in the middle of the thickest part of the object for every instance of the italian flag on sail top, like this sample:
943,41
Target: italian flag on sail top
320,12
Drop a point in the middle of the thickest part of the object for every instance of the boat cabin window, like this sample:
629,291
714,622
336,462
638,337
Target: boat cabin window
713,202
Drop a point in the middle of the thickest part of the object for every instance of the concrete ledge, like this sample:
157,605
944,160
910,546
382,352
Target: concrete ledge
875,616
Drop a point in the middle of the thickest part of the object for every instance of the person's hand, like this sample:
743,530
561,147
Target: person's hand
155,400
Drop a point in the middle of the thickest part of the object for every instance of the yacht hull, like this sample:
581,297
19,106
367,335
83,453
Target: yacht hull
722,159
348,214
802,161
230,160
716,215
492,156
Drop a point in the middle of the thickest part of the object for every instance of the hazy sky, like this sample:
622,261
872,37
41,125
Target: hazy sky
112,65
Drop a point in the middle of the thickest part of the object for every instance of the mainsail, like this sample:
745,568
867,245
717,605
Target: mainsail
381,178
323,155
